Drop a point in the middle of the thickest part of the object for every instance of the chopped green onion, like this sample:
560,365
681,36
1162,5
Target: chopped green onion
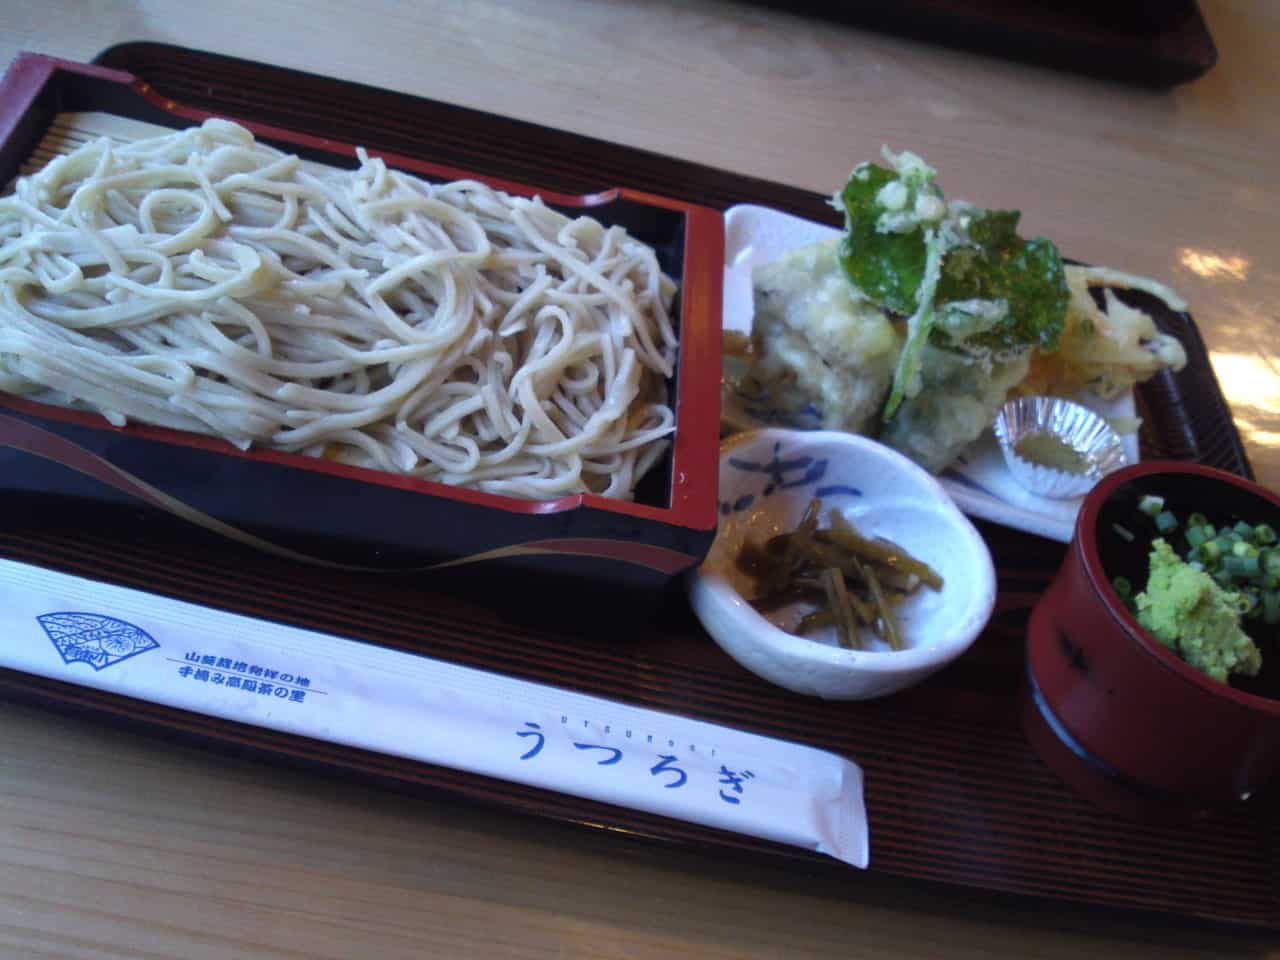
1197,520
1123,587
1271,562
1243,549
1123,533
1237,566
1271,607
1209,551
1196,535
1151,505
1166,522
1264,534
1243,529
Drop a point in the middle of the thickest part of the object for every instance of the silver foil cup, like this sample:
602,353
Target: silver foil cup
1078,427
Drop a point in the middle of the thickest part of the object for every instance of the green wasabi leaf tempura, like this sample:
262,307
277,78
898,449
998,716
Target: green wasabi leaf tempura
961,274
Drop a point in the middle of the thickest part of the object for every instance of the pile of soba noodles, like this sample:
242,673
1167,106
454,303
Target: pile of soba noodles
206,282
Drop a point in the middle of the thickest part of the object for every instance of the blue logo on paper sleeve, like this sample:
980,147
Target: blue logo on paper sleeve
95,639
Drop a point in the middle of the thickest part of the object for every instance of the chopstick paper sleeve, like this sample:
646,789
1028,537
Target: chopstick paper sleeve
296,681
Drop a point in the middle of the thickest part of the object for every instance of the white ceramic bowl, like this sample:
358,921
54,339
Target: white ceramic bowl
767,479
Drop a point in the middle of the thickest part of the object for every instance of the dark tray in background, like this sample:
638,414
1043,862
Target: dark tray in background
955,794
1148,43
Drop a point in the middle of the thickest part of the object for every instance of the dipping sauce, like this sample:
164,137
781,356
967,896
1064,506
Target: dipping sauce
1043,448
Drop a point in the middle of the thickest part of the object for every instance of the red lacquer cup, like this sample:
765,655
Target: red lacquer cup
1116,714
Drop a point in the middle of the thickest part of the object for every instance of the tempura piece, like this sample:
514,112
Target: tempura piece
959,398
819,342
1105,350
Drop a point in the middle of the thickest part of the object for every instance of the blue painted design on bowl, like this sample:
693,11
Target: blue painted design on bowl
784,472
836,490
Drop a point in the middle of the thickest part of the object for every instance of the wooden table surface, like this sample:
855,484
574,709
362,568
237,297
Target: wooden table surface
121,846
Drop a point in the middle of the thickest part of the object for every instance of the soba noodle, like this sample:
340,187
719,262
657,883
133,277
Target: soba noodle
206,282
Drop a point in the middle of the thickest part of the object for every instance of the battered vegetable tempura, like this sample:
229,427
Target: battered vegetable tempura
917,323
